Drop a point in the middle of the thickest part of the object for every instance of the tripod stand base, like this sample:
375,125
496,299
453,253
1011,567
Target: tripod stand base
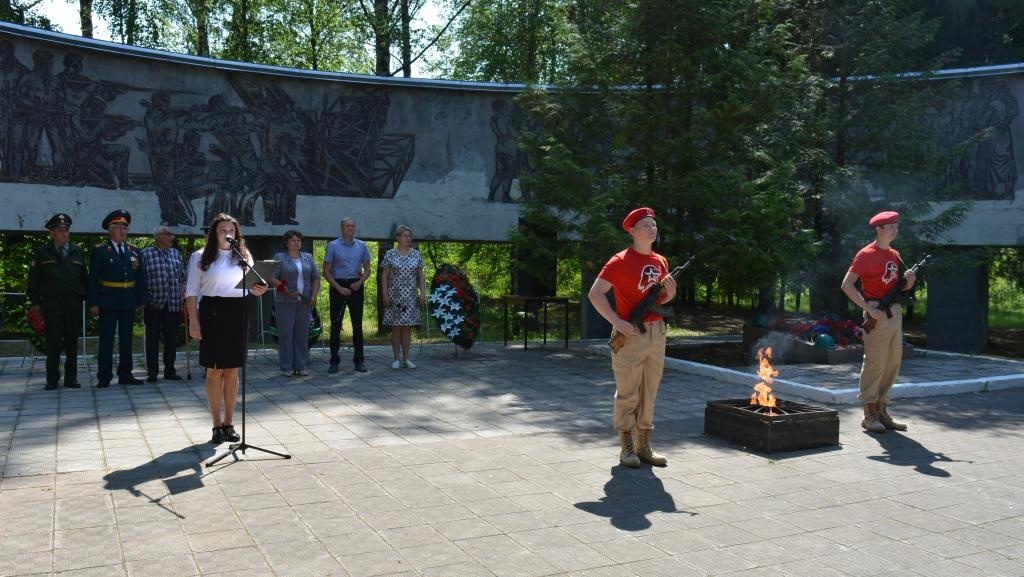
233,449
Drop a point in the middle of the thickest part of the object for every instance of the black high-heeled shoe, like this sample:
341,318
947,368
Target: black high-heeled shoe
218,436
230,434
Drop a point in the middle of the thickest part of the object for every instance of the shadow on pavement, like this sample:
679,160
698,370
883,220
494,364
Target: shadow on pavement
630,495
166,468
903,451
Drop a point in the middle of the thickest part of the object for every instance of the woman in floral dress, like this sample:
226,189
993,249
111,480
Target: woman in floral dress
403,288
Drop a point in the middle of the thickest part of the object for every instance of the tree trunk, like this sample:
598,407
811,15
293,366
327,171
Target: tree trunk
201,12
314,48
85,16
406,41
7,12
132,23
765,299
382,38
242,19
533,33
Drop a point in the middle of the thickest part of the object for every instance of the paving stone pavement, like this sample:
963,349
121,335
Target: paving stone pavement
497,462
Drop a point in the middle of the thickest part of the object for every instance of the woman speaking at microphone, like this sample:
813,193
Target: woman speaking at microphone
215,312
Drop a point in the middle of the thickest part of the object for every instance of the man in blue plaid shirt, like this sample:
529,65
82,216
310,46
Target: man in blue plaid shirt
165,277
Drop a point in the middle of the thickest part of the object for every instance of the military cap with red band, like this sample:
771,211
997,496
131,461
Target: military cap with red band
633,217
884,218
119,216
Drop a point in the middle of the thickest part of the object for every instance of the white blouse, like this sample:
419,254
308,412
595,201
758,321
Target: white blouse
299,285
217,281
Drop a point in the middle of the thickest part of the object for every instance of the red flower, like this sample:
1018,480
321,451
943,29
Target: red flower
36,320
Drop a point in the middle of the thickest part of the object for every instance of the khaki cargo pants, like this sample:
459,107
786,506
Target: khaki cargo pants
638,367
883,354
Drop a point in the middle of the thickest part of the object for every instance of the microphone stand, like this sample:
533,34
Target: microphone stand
241,445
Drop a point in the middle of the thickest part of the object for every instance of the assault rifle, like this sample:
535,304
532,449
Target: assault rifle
896,295
648,304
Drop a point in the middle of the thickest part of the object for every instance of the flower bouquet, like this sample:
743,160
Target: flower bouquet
830,331
37,335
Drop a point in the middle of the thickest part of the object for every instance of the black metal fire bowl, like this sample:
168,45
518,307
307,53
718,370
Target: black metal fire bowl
794,426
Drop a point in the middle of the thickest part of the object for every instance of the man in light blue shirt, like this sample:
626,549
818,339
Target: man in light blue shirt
346,268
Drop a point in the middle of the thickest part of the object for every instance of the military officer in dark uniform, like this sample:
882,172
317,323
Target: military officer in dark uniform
56,288
117,287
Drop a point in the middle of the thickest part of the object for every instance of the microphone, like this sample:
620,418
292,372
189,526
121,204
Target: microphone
231,240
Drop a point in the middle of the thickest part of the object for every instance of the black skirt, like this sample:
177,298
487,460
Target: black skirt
223,342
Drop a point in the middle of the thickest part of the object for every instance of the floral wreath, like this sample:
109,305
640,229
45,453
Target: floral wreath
456,306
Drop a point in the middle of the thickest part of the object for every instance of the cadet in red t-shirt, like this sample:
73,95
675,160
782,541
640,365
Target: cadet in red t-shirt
877,266
639,364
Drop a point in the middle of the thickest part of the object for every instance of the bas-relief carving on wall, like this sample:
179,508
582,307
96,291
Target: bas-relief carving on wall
977,134
57,130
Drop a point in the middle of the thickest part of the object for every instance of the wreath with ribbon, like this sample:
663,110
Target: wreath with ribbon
455,306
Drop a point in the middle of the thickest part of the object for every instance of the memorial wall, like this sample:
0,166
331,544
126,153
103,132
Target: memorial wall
90,126
981,137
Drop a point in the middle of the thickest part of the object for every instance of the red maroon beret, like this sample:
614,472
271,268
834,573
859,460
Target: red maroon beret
887,217
633,217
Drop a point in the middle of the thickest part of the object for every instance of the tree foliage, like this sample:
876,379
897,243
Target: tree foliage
24,12
507,41
317,35
692,115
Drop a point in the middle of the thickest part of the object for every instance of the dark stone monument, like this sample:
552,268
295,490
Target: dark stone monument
958,309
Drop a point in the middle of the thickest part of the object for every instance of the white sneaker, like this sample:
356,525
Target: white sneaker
409,365
397,364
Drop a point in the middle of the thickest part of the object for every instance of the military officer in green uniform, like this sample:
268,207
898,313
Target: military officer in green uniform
117,287
56,288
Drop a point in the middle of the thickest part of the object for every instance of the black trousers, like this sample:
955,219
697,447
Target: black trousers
354,303
63,320
161,324
111,321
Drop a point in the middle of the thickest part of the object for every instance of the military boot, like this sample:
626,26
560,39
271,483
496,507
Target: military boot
887,421
628,456
871,423
645,452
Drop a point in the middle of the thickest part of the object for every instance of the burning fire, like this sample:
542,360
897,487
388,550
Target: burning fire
763,390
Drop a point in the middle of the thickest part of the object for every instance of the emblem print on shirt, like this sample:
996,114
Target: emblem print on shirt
892,271
648,277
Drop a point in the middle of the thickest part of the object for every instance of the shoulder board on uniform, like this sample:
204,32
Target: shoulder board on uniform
104,243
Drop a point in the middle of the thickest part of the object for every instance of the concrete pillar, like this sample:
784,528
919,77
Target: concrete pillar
958,309
542,278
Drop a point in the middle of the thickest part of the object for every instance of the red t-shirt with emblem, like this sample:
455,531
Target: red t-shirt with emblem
631,275
878,269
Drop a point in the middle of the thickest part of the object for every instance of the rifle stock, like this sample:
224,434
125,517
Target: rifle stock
618,340
891,297
869,324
